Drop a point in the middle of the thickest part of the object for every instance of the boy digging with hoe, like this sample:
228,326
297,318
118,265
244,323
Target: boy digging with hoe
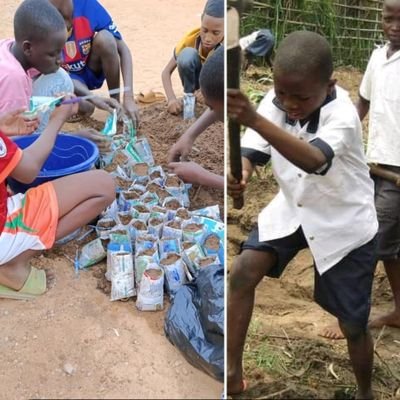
311,132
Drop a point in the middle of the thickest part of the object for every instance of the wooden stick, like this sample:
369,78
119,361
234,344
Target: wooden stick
379,337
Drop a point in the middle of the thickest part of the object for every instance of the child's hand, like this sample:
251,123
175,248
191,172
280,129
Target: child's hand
103,142
14,123
181,149
199,96
132,110
174,106
65,111
106,103
239,107
235,188
188,171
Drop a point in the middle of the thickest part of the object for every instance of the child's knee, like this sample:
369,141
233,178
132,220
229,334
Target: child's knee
188,58
105,184
245,274
105,43
353,331
108,183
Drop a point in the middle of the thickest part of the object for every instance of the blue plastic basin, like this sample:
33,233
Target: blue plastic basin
70,155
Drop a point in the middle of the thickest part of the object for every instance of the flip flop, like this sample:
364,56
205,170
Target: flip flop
150,97
34,286
243,389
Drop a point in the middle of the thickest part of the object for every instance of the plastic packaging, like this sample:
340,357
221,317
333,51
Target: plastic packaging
189,101
195,321
151,291
122,277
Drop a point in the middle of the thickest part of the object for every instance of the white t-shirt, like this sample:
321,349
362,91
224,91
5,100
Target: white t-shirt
335,207
381,86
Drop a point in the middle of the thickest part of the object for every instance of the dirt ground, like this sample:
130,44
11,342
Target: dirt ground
73,342
284,356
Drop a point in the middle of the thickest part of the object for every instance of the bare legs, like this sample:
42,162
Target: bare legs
361,352
392,268
247,271
104,58
81,197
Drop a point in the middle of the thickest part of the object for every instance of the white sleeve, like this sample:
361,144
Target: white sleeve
339,131
366,83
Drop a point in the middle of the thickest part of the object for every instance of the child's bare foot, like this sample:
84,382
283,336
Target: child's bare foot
236,386
391,319
332,332
14,275
365,396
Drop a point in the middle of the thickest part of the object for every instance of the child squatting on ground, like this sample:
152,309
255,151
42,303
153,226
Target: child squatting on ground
33,221
311,132
30,63
380,95
212,87
192,51
95,51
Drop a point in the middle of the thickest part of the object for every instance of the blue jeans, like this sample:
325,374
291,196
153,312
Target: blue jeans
189,67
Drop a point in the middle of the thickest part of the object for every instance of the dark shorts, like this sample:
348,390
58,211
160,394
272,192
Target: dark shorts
344,290
387,203
89,78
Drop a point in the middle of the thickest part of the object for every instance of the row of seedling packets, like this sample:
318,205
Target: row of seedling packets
143,261
153,241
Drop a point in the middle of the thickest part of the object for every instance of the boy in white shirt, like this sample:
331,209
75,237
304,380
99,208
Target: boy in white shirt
380,96
311,132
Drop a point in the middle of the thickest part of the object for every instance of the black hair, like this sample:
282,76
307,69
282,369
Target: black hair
212,75
36,19
305,53
215,8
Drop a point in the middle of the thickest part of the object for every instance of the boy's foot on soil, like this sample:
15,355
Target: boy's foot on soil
367,396
235,389
332,332
392,319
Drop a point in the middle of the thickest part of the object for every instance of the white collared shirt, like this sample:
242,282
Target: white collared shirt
381,86
335,208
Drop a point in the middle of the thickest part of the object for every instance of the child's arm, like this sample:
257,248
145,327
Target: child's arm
34,156
181,149
301,153
174,105
194,173
127,76
362,107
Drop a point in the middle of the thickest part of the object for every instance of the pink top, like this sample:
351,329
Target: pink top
15,82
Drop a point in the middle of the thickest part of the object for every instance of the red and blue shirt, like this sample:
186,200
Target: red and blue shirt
89,17
10,155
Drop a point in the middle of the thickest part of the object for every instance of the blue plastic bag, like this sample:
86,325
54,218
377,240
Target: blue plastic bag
195,321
